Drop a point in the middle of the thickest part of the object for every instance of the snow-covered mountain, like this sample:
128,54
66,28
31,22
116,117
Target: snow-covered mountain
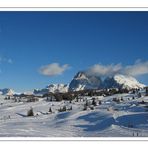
122,81
53,88
58,87
6,91
82,81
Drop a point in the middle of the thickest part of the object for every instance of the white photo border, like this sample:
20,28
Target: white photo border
73,9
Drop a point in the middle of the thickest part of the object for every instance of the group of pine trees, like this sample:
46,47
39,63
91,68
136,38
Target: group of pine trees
30,112
92,104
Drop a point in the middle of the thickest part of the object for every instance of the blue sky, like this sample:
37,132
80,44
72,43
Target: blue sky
31,41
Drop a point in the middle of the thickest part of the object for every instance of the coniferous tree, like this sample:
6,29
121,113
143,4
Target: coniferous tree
50,110
100,102
64,108
146,91
71,108
30,112
94,102
85,107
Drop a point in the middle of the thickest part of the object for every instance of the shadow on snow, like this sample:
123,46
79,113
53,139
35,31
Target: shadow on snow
96,121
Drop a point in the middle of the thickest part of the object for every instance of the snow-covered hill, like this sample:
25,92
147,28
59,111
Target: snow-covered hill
125,118
122,81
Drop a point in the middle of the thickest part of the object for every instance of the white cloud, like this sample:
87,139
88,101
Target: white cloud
53,69
137,69
104,70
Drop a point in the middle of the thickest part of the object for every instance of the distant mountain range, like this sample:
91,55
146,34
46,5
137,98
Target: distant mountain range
82,81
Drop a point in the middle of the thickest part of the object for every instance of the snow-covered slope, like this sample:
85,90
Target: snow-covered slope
82,81
122,81
127,118
6,91
53,88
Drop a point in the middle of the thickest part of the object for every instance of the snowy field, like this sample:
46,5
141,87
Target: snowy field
127,118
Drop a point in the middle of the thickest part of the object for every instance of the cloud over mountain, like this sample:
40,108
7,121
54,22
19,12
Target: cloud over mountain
103,70
53,69
137,69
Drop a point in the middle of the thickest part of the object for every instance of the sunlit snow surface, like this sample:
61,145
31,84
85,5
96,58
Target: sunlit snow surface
111,119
